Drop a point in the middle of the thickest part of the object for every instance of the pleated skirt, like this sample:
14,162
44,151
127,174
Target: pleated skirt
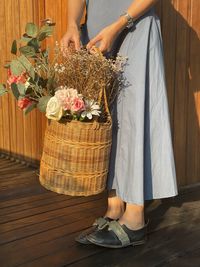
142,165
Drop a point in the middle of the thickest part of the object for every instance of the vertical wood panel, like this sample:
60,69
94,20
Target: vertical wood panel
26,7
180,22
169,32
5,114
193,126
181,88
20,135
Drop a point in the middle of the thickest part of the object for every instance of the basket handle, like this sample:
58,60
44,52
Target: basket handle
102,93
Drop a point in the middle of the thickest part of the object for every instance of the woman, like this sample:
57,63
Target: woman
142,161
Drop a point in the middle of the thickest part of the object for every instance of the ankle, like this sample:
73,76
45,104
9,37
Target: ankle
114,212
133,217
133,224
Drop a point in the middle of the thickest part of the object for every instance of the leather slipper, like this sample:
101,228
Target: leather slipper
116,235
98,224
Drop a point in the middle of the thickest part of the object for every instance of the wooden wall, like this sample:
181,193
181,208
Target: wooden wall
23,136
19,136
181,36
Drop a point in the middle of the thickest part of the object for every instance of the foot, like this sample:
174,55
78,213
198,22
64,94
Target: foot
133,217
98,224
116,235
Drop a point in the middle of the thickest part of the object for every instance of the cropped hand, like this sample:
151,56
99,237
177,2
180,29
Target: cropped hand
105,38
71,36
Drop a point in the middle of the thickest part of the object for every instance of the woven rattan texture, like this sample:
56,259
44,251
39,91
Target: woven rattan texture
75,157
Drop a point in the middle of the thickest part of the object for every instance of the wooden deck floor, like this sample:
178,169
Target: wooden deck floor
37,227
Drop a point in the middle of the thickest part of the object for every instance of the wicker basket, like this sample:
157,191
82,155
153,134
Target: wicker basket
76,155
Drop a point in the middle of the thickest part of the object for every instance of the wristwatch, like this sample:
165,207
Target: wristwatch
130,20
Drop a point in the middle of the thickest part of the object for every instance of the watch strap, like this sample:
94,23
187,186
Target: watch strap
130,20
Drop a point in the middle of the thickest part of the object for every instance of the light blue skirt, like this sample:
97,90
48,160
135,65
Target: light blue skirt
142,163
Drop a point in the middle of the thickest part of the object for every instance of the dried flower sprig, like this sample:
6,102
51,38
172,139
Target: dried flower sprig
90,72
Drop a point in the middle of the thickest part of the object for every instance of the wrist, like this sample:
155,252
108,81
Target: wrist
121,23
129,20
73,25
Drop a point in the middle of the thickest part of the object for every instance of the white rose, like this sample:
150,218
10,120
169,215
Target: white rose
54,110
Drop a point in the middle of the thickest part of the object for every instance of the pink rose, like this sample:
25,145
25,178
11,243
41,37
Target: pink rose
78,104
66,103
24,103
16,79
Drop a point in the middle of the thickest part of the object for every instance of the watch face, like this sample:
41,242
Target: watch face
130,25
130,22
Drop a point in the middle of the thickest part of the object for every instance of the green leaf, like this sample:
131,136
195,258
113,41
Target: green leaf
27,51
34,43
16,67
32,73
46,53
15,90
25,38
30,108
42,105
45,31
51,83
25,62
14,47
7,66
3,89
21,89
31,29
42,36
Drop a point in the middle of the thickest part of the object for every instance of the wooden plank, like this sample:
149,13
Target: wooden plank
11,19
8,169
13,183
64,233
26,8
169,31
64,13
2,72
37,203
181,89
23,200
21,192
41,215
17,176
43,209
185,259
5,109
50,226
193,112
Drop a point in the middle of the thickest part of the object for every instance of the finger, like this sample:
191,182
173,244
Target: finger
77,44
103,47
64,43
93,41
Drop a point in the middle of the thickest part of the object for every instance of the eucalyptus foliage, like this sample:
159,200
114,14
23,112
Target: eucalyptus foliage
31,59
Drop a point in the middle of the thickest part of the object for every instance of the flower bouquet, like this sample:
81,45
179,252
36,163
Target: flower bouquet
75,90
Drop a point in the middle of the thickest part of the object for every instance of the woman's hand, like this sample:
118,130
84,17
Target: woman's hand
71,36
107,36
